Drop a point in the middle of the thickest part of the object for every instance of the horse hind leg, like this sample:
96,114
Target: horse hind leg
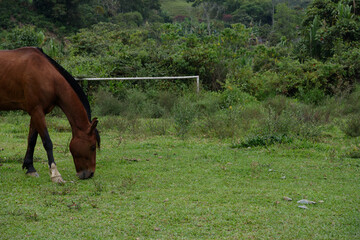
29,156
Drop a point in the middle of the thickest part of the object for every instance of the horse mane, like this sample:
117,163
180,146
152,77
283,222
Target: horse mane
70,79
75,86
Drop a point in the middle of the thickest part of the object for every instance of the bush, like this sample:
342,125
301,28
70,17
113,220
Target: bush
352,126
267,84
208,103
106,104
23,37
114,123
184,113
354,152
157,126
221,124
232,96
166,100
263,140
130,19
311,96
136,101
348,103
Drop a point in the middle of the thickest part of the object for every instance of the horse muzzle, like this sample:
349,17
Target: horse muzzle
85,174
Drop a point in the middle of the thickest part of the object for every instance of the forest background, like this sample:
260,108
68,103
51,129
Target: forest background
246,52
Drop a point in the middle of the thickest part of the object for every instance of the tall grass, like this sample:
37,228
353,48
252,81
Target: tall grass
230,114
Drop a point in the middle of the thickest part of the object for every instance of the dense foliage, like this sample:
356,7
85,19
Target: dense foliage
264,48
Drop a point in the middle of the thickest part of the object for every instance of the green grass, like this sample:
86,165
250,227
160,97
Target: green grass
162,187
177,7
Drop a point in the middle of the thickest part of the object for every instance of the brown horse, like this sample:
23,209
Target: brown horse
32,81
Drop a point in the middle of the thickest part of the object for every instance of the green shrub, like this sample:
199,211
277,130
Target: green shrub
130,19
240,72
184,113
158,126
348,103
354,152
23,37
278,104
166,100
221,124
267,84
277,124
352,126
139,104
87,66
233,95
136,100
161,102
263,140
106,104
282,116
208,103
117,123
311,96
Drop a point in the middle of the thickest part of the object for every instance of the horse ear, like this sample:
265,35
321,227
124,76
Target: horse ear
94,123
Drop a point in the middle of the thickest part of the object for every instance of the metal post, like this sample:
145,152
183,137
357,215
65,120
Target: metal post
197,84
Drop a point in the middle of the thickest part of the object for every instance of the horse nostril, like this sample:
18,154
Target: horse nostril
85,174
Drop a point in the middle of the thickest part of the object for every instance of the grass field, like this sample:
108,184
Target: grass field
163,187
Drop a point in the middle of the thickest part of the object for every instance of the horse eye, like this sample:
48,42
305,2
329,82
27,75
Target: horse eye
93,148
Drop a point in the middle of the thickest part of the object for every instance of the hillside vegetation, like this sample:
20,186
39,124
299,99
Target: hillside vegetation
251,60
260,49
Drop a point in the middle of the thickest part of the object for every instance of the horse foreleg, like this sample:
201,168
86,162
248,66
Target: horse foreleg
54,173
38,121
29,157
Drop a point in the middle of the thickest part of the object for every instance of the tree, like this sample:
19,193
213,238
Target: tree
124,6
327,24
286,20
210,9
64,11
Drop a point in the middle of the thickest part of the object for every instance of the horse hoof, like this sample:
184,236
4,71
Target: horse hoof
55,175
57,179
32,174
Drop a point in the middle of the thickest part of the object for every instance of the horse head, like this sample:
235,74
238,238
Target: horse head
83,150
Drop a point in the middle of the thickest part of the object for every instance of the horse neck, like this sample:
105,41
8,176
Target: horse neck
74,110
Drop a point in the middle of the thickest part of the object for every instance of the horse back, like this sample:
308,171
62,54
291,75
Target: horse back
27,80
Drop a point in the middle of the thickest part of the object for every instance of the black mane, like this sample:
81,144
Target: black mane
70,79
78,90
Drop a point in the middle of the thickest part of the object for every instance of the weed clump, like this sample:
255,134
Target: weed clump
352,126
184,113
354,152
263,140
107,104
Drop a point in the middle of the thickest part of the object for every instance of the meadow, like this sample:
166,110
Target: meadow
163,186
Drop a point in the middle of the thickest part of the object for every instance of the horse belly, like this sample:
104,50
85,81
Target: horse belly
11,94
